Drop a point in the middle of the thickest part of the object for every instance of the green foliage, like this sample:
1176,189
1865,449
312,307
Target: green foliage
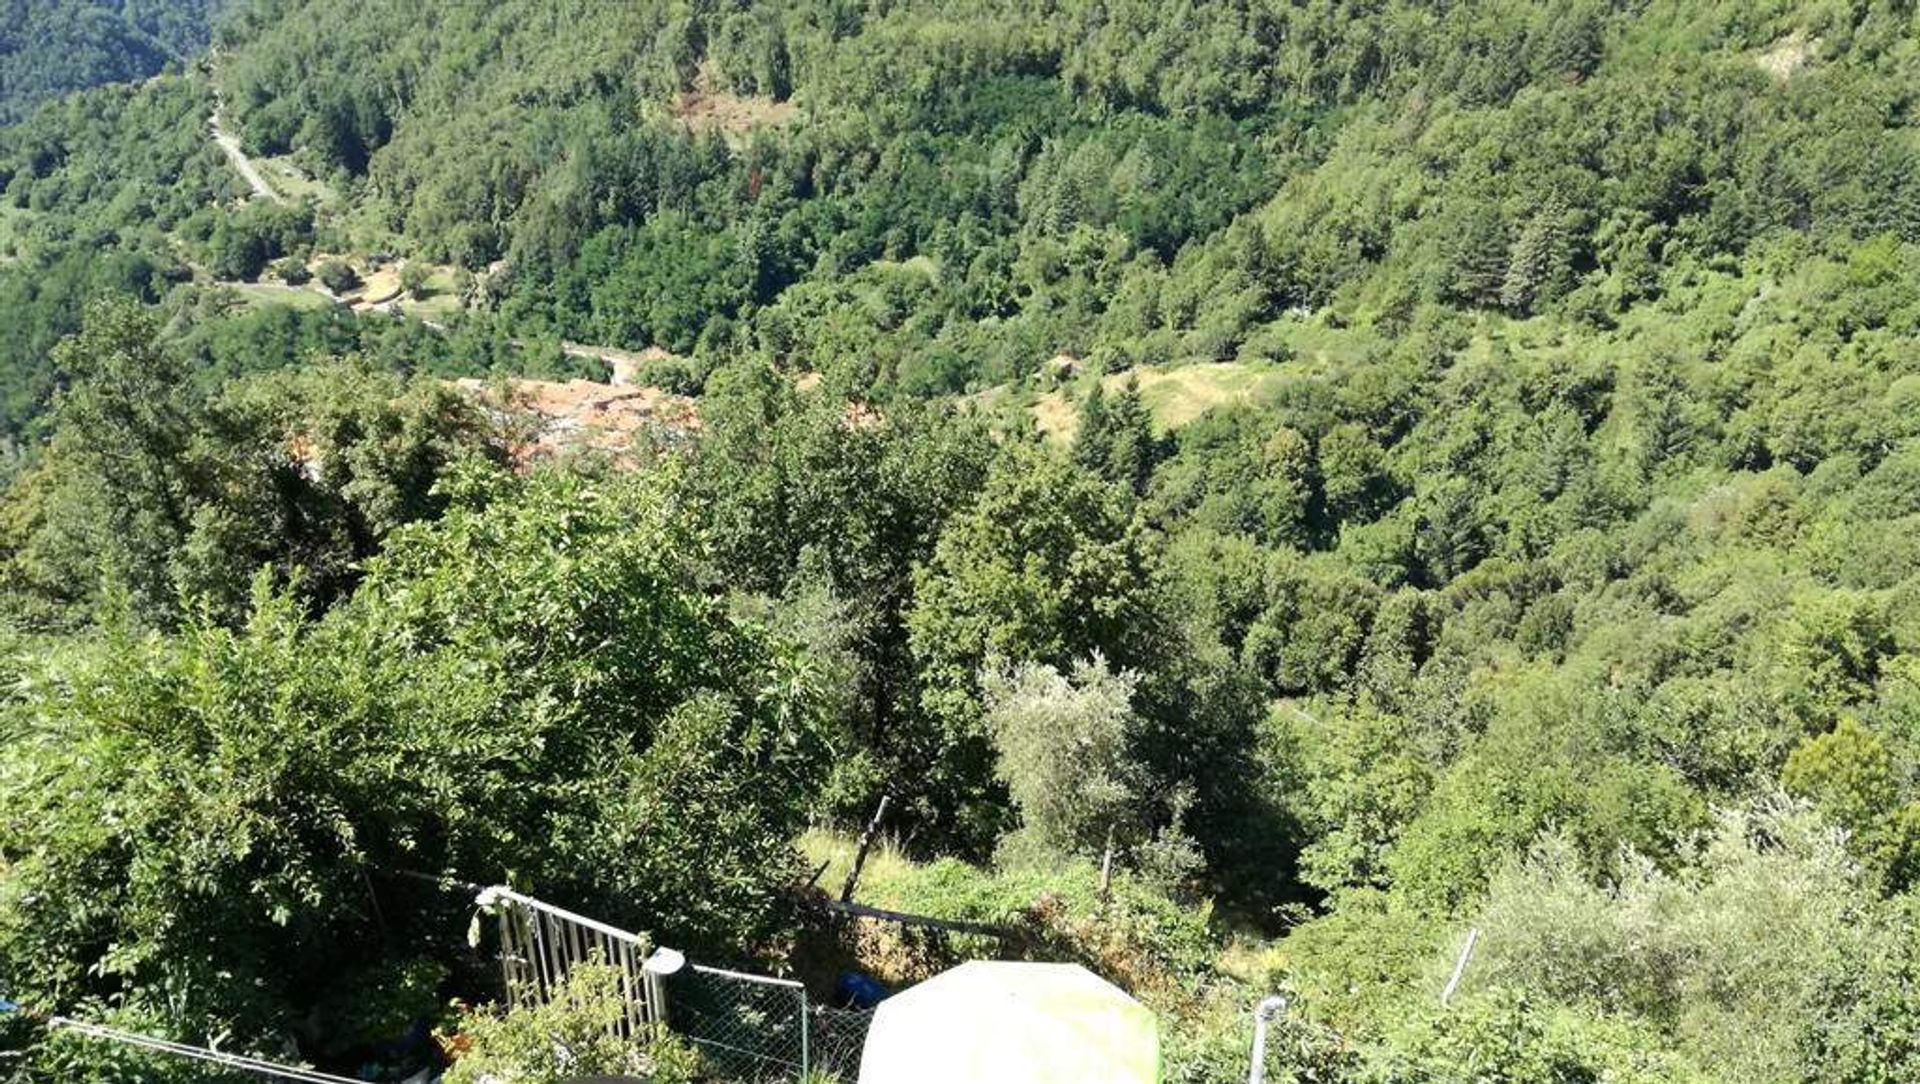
155,495
90,184
337,276
52,48
413,279
205,817
1510,1037
292,272
1046,567
569,1036
1136,936
1118,443
242,244
1574,501
1774,945
1848,775
825,509
1061,745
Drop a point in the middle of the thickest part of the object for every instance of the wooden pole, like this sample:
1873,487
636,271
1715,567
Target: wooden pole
860,855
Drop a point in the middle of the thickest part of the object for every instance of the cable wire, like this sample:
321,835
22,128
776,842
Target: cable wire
201,1053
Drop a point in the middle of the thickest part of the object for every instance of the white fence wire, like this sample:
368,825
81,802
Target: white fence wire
258,1066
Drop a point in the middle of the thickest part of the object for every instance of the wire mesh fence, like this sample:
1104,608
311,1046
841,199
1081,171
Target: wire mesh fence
756,1028
748,1027
838,1037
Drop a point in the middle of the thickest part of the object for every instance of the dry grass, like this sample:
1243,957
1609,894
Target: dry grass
729,114
1174,395
835,850
557,417
379,287
1788,55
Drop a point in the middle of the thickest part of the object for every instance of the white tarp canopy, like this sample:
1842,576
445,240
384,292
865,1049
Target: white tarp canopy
1012,1023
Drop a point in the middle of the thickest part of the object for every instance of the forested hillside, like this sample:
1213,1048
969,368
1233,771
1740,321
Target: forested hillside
51,47
1368,470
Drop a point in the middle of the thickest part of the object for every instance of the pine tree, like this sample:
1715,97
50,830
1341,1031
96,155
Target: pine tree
1134,448
1478,256
1540,267
1093,441
1117,441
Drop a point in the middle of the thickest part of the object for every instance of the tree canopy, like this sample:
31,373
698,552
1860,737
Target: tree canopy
1369,470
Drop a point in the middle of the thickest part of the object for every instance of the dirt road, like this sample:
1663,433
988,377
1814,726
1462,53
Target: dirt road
230,143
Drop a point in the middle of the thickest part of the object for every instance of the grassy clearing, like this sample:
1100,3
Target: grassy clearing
708,108
293,182
1175,395
435,306
441,298
263,295
379,287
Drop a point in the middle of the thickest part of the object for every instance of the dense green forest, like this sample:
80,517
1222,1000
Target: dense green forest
52,47
1373,470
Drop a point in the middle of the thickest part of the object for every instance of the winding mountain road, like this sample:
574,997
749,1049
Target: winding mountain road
230,143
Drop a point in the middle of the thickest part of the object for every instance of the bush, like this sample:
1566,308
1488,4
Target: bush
198,814
413,279
293,272
570,1036
1062,746
1777,946
338,276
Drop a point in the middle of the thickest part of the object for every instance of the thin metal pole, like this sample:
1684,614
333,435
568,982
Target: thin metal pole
806,1032
1268,1009
1460,965
767,980
217,1057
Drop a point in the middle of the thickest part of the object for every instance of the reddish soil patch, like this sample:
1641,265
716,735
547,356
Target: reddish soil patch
554,417
717,111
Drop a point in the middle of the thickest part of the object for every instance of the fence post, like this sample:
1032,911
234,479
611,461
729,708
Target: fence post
860,853
806,1037
662,964
1267,1009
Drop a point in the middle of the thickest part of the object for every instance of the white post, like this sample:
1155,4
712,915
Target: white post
662,965
1460,965
1268,1009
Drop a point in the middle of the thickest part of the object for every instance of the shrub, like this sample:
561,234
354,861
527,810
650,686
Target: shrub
338,276
1777,946
198,814
1062,751
292,272
570,1036
413,279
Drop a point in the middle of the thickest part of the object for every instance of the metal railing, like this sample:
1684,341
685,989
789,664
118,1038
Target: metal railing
541,944
747,1027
